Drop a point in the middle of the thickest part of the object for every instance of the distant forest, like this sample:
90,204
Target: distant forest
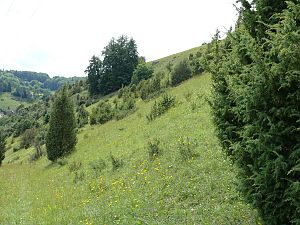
31,85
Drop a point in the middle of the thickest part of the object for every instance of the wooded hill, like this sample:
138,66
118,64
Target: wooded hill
21,87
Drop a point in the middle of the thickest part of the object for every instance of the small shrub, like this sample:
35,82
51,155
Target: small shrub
75,166
188,96
102,113
38,152
169,66
154,149
181,72
116,162
151,87
125,108
121,114
186,147
79,176
62,162
142,72
98,166
27,138
82,117
193,105
160,107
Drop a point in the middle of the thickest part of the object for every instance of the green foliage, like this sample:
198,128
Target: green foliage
30,76
142,72
94,71
161,106
62,161
257,112
98,166
29,86
169,67
257,21
196,63
2,147
154,149
116,162
28,137
82,117
126,107
120,58
79,176
38,150
75,166
164,191
61,136
186,147
151,87
180,72
102,113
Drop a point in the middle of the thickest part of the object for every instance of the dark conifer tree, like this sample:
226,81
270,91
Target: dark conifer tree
94,74
120,60
61,136
256,83
2,148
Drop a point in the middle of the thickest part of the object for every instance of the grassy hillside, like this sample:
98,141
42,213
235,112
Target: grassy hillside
86,189
162,63
8,102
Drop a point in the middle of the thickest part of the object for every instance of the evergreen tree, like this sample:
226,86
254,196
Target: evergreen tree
181,72
2,148
256,107
94,75
61,136
257,15
120,58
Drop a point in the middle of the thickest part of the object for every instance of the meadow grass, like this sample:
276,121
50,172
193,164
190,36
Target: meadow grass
8,102
166,190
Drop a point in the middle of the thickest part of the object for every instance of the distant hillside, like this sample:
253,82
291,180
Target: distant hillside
25,87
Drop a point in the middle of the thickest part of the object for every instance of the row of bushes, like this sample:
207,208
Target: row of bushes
105,111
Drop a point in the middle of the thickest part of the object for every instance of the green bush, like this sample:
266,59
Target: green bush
186,147
154,149
2,147
62,161
79,176
82,117
161,106
196,63
98,166
61,136
181,72
116,162
102,113
74,166
257,112
141,72
151,87
27,138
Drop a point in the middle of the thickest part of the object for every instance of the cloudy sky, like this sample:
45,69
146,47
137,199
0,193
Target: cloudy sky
60,36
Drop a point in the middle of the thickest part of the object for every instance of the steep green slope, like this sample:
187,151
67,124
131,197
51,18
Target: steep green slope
7,102
85,189
24,87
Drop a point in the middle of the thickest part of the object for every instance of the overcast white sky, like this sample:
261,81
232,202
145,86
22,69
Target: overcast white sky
60,36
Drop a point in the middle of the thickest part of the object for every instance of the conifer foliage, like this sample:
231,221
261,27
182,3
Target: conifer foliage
2,148
61,136
120,58
256,108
